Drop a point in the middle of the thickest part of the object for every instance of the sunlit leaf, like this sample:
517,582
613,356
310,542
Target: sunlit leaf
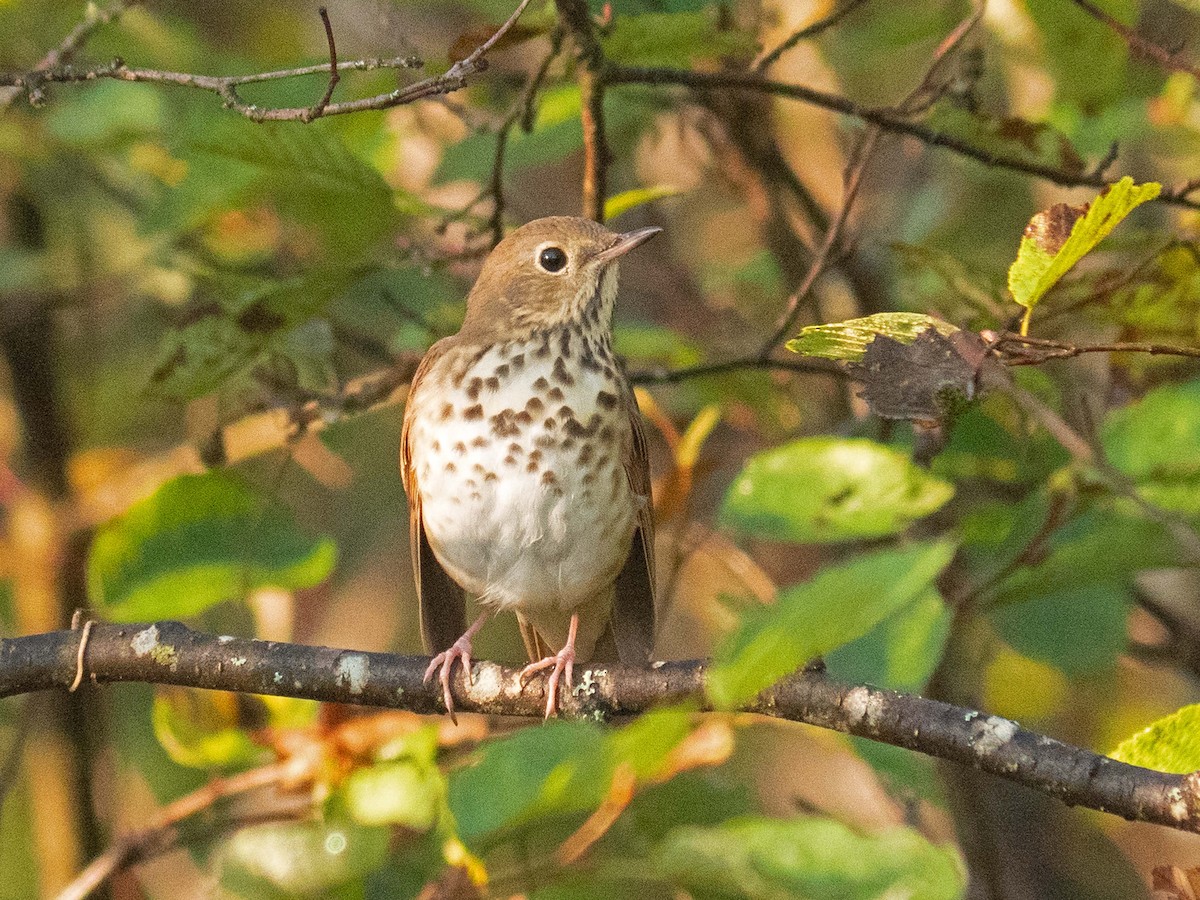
395,792
1171,744
1059,237
849,340
199,540
831,489
308,859
818,859
838,605
206,729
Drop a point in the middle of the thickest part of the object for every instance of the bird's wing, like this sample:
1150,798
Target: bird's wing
633,605
440,600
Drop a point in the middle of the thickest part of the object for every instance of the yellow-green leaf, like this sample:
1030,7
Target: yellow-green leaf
1057,238
1171,744
623,202
849,340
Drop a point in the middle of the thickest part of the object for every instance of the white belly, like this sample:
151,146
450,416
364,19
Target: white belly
526,504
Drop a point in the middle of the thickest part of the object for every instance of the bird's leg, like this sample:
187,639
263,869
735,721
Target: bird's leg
460,649
563,662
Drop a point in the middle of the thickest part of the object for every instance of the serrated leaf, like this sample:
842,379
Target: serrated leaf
1156,442
849,340
197,541
838,605
1171,744
1057,238
675,39
817,859
621,203
827,489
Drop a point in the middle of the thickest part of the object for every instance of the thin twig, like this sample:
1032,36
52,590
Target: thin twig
1138,44
884,117
808,31
225,86
1037,350
576,18
705,370
334,74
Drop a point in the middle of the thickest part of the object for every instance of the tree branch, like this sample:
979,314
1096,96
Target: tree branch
172,653
226,86
1139,45
885,118
575,16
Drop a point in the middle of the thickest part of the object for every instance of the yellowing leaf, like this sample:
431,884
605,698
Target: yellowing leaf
621,203
849,340
1057,238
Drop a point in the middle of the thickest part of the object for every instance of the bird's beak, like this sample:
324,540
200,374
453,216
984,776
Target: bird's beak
625,243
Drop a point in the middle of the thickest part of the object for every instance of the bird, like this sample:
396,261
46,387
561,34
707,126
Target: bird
525,466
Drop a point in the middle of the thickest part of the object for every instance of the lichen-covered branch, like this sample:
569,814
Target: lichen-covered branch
172,653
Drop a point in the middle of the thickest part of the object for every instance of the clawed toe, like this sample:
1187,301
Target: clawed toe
562,664
460,649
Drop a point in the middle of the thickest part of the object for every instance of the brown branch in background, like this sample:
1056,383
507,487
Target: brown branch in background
808,31
1022,350
887,119
334,75
226,86
589,56
93,20
172,653
664,375
162,834
1137,44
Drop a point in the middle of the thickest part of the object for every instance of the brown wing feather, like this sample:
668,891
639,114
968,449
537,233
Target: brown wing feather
441,601
633,605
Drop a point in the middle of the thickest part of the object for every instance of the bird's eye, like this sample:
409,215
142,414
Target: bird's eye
552,259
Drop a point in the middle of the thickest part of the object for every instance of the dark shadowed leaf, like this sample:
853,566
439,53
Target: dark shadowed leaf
675,39
927,381
199,540
838,605
900,652
831,489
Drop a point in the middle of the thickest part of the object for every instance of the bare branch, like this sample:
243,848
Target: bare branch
171,653
808,31
1139,45
1025,350
334,75
577,20
226,86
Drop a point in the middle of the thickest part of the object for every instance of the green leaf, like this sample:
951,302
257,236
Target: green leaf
203,729
396,792
621,203
900,652
838,605
817,859
1078,629
1156,442
1056,239
675,39
1171,744
300,858
197,541
826,489
558,768
848,340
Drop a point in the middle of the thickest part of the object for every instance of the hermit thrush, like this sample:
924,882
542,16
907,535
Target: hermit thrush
524,461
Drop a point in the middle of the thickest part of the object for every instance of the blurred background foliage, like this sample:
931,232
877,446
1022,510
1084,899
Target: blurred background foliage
171,272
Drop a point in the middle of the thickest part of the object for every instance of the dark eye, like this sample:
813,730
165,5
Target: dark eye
552,259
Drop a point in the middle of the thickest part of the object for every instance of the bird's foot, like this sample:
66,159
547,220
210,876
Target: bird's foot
562,663
460,649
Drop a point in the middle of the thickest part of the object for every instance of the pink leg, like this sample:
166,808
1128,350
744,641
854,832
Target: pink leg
563,662
460,649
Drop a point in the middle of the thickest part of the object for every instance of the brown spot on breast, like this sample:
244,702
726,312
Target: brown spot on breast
502,370
536,455
447,411
524,417
451,467
560,373
474,386
510,460
567,443
607,433
544,440
490,476
517,362
606,400
493,383
544,350
565,412
473,413
503,350
460,448
503,424
589,477
436,446
550,424
535,405
555,395
532,465
515,448
470,482
475,495
541,384
548,477
480,441
564,344
585,454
